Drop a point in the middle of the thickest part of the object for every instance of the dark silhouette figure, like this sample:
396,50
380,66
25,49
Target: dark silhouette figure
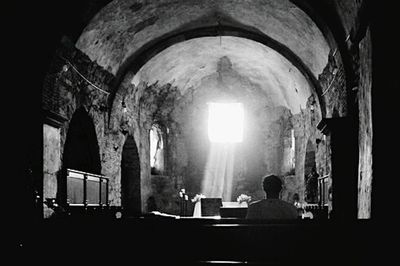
272,207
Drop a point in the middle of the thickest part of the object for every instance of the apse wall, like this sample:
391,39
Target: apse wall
261,151
135,108
62,87
266,143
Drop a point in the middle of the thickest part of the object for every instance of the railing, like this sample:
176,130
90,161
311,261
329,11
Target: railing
323,190
86,189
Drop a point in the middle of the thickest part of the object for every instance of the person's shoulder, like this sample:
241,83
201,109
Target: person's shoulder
255,203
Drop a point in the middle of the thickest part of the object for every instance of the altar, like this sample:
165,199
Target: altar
233,210
215,207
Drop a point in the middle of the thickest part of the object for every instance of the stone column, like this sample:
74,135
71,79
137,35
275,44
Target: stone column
344,161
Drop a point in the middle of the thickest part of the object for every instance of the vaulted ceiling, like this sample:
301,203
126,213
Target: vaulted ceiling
250,64
123,30
123,27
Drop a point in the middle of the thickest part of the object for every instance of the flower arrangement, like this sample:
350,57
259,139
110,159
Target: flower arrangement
243,198
198,197
182,193
298,205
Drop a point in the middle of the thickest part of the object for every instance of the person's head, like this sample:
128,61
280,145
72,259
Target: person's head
272,186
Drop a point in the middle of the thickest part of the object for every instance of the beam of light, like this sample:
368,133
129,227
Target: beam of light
225,129
225,122
218,175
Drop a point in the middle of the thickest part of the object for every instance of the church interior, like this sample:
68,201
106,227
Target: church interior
157,121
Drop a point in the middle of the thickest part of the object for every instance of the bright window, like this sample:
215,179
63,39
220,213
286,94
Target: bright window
225,122
156,149
293,150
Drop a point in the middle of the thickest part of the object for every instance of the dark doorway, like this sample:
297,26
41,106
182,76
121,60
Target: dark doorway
310,174
130,178
309,162
81,150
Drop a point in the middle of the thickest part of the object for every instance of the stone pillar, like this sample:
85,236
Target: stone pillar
52,123
344,161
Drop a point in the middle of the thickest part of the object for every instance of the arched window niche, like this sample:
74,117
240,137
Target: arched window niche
289,152
157,148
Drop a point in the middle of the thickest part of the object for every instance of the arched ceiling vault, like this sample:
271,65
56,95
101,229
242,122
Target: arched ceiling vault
189,63
123,30
125,26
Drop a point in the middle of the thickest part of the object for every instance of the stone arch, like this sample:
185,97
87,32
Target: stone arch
170,17
158,31
81,149
158,27
135,61
145,48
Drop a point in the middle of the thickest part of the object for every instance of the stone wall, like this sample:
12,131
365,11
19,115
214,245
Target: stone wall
188,147
51,160
164,194
334,96
259,154
135,108
354,17
333,84
64,90
185,116
365,132
305,124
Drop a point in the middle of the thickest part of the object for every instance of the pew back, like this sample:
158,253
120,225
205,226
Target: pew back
86,189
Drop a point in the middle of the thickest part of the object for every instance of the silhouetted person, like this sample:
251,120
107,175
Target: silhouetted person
272,207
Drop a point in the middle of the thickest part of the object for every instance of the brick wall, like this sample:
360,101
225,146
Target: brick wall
64,90
333,83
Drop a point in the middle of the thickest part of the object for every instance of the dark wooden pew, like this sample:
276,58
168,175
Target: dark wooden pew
155,240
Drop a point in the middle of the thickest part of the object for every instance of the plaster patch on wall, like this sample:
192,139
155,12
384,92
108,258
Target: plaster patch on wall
51,160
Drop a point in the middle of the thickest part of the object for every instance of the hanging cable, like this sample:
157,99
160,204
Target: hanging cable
329,86
88,81
334,52
347,38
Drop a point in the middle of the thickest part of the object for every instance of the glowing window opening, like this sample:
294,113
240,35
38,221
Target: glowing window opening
156,148
293,150
225,122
